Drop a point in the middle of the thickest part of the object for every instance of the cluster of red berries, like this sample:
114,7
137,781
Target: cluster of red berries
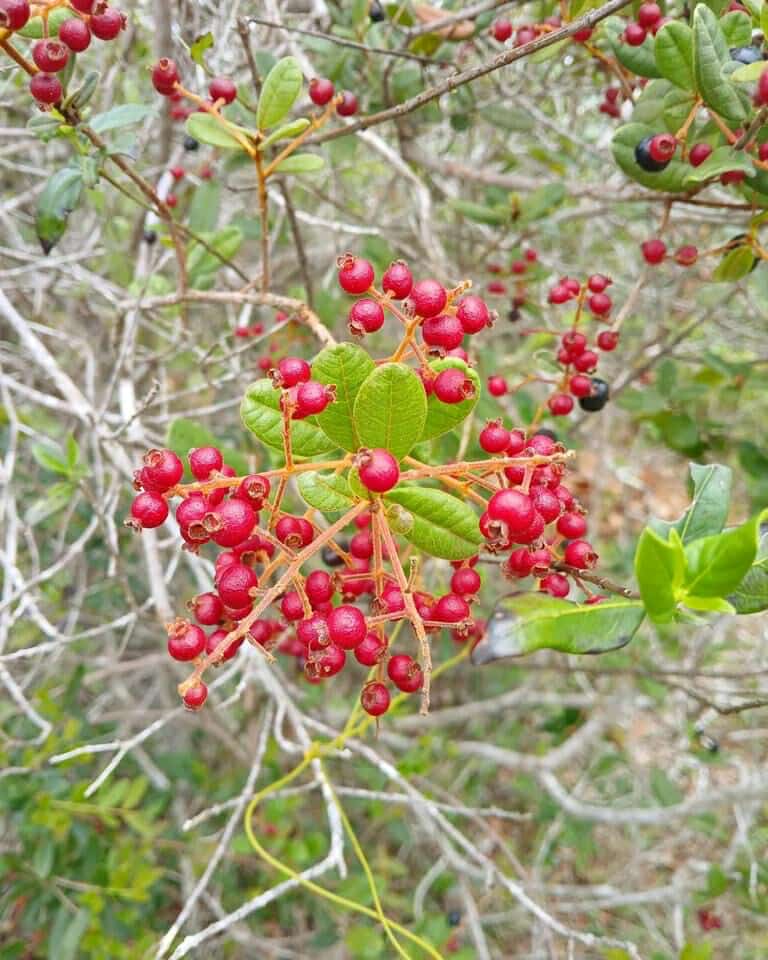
502,29
166,79
322,91
92,18
655,251
650,19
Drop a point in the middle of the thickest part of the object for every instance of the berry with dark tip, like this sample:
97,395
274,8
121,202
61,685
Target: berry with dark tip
644,158
597,398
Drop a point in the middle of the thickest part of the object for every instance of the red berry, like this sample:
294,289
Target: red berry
14,14
330,662
574,343
555,584
405,673
518,266
580,386
361,545
149,510
162,470
581,36
347,107
428,298
473,314
378,470
375,699
559,294
165,75
560,404
600,304
662,147
762,152
45,88
634,34
687,256
207,609
346,626
370,650
185,640
735,176
761,94
312,398
597,283
254,489
229,651
546,503
654,251
355,274
177,173
222,88
494,438
195,697
321,91
235,520
397,280
235,585
453,386
648,14
203,461
191,511
497,386
517,443
365,316
586,362
464,582
572,525
501,29
106,22
497,288
607,340
294,532
319,587
579,554
50,55
442,331
293,370
513,508
291,606
699,153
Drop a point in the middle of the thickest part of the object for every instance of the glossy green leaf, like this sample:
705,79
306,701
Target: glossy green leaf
659,568
751,595
286,132
721,160
436,522
708,510
345,365
59,198
716,565
737,263
674,54
123,116
710,55
443,417
390,409
524,622
671,179
279,91
260,412
301,163
327,492
207,129
737,29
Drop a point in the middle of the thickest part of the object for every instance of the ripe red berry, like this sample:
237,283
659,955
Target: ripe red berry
293,370
735,176
428,298
185,640
294,532
501,29
291,606
442,331
106,22
517,443
148,510
319,587
162,470
375,699
513,508
346,626
473,314
361,545
581,36
254,489
607,340
687,256
497,288
453,386
545,502
330,662
203,461
195,697
207,609
761,94
370,649
699,153
494,438
586,361
347,106
365,316
600,304
653,251
555,584
762,152
321,91
648,14
574,343
397,280
235,519
560,404
634,34
597,283
378,470
234,585
559,294
222,88
405,673
355,274
579,554
572,525
497,386
14,14
464,582
75,34
50,55
45,88
312,398
229,651
165,75
662,147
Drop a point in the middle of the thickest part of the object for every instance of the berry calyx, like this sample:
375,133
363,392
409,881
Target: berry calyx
355,274
375,699
378,470
321,90
405,673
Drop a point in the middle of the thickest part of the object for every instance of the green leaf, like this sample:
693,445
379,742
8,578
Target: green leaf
288,131
345,365
260,412
207,129
66,946
327,492
674,54
443,417
640,60
59,198
50,457
659,568
696,951
671,179
665,790
33,29
749,72
479,213
528,621
203,211
708,510
735,265
540,202
198,48
279,91
716,565
721,160
201,263
436,522
709,604
123,116
737,29
676,106
301,163
751,595
710,55
390,409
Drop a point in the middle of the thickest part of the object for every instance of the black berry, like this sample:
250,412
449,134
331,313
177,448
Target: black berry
644,159
376,12
598,398
190,143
